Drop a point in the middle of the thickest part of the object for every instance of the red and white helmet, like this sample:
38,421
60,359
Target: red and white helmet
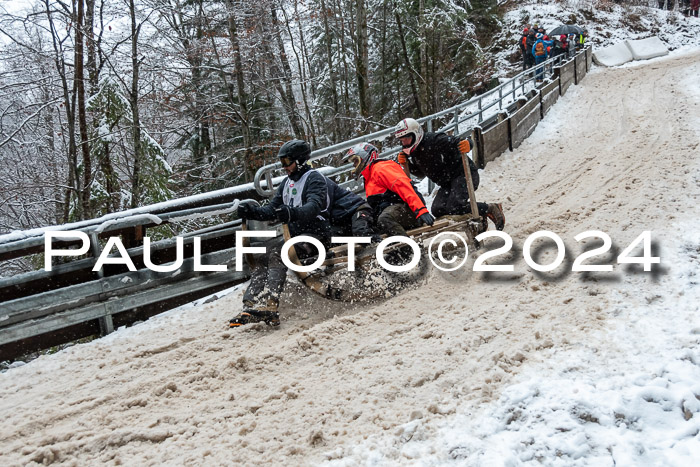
361,156
409,126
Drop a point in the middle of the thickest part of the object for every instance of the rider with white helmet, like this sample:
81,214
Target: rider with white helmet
438,156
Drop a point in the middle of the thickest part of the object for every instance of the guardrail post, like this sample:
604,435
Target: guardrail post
106,323
481,114
500,97
588,51
478,140
134,238
557,75
503,116
541,100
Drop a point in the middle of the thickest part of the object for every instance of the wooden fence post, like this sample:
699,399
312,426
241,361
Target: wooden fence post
478,147
556,74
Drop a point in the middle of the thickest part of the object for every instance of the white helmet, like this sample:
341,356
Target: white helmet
409,126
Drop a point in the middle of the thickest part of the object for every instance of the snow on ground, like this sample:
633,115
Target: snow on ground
559,368
628,392
607,23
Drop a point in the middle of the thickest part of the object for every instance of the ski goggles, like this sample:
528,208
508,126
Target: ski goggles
286,161
356,161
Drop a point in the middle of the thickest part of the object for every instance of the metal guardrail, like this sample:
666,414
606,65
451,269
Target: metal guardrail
482,109
40,302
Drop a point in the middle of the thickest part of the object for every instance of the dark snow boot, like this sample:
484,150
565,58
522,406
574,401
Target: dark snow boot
495,213
249,316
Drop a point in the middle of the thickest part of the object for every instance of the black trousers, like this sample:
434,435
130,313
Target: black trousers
269,275
454,198
396,219
266,280
359,224
529,60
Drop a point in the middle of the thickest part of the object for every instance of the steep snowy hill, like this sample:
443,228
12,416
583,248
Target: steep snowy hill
607,23
560,368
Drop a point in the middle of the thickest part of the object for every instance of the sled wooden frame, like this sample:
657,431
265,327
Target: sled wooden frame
337,258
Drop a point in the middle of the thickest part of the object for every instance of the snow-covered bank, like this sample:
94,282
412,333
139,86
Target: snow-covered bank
608,23
476,369
626,395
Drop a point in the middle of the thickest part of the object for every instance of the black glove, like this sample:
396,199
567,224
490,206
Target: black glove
284,214
376,238
426,219
245,211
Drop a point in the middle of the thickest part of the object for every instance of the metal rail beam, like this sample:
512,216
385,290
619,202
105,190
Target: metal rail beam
35,327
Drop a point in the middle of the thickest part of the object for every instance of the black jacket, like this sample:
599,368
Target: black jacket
437,157
312,217
343,203
531,39
521,45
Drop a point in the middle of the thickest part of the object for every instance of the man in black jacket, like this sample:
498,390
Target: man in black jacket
301,201
529,42
523,49
311,204
438,156
349,214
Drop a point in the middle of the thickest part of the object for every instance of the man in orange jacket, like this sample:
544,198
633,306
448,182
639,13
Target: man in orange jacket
396,203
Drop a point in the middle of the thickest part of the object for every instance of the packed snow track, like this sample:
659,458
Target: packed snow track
617,153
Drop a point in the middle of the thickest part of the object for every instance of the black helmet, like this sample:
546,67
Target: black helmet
295,150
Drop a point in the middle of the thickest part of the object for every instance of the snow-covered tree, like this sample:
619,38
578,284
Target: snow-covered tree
112,150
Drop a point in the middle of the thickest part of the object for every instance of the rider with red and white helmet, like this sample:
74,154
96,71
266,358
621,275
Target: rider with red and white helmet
395,201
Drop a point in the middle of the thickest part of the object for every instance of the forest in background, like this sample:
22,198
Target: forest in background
113,104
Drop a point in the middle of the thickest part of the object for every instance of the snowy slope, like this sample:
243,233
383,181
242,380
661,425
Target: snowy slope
607,23
563,368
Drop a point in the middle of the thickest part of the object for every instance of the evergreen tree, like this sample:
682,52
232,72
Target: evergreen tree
112,148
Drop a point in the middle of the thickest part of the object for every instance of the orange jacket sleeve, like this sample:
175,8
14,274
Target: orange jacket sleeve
393,178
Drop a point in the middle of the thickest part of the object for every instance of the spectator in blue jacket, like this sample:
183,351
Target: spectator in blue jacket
539,51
